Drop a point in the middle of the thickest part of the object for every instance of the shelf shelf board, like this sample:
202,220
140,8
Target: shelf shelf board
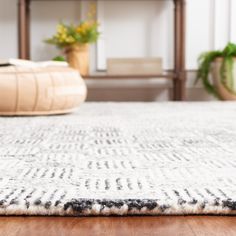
169,75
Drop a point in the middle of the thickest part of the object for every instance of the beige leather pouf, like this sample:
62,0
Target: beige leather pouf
40,91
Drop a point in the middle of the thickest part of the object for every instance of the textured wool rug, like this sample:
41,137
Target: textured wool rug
127,158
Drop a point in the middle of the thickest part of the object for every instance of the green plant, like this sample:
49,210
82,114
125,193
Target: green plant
226,72
59,58
68,35
86,31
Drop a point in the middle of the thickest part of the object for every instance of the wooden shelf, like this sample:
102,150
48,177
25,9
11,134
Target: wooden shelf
178,78
168,75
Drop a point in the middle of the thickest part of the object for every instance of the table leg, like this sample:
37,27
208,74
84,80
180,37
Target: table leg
179,61
23,28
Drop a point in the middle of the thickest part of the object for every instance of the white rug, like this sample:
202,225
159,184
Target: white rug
127,158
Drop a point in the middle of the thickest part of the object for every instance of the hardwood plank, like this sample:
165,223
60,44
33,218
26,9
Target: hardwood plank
155,226
94,226
212,225
119,226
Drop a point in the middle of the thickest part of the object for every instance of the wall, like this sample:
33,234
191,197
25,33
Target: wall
129,28
8,33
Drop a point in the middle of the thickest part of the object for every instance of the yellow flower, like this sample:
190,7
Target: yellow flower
92,11
70,39
84,27
61,29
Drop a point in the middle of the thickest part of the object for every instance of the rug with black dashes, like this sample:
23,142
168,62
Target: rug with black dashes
121,159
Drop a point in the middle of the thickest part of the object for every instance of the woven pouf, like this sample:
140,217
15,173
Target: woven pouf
40,91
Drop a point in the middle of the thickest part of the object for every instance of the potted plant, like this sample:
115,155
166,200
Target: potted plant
75,40
221,66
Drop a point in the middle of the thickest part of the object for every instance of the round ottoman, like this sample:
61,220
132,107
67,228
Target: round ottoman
40,91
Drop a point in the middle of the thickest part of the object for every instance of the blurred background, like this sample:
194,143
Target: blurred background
128,29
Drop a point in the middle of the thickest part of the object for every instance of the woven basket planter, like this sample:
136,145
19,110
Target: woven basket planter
40,91
224,93
78,58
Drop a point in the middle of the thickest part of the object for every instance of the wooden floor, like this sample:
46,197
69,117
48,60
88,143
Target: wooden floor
118,226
